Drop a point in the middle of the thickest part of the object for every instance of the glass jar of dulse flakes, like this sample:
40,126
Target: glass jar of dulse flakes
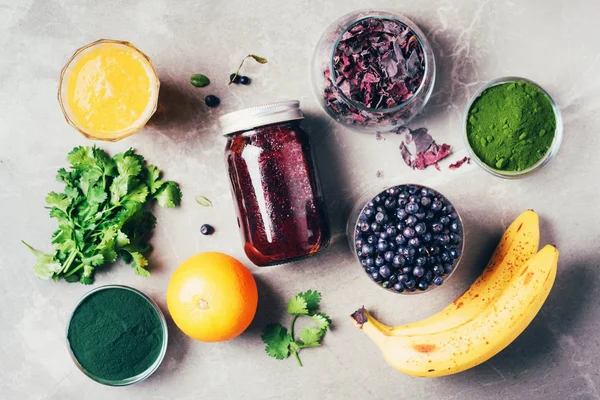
280,207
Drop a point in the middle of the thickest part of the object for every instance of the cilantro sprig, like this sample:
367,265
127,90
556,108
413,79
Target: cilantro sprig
102,214
281,343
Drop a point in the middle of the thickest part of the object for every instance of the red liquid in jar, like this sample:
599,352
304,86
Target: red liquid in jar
280,207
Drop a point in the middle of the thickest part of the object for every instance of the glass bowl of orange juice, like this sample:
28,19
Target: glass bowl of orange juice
108,90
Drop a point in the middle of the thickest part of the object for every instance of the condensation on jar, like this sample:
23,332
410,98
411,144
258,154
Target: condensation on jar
275,185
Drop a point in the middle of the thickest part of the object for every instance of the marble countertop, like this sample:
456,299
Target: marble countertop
551,42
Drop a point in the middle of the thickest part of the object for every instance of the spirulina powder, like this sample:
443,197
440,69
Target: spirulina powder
115,334
511,126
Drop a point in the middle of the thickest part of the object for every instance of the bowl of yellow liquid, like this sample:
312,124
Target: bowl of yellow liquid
108,90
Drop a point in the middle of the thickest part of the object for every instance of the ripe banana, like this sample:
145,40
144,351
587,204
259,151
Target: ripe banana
518,244
463,346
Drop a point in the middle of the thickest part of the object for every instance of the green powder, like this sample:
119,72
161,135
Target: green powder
115,334
511,126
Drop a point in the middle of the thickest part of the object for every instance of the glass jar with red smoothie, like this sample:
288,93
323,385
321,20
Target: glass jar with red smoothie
280,207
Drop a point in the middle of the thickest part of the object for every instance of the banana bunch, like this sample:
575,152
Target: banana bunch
484,320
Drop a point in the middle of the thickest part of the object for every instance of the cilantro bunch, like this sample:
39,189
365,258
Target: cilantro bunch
280,343
102,214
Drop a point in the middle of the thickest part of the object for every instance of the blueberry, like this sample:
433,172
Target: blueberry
429,215
428,276
415,242
412,189
382,246
436,227
408,232
406,270
412,208
420,228
363,262
433,249
420,261
411,220
400,239
444,239
425,192
422,285
358,243
402,202
384,271
420,215
386,284
418,271
401,213
403,194
455,226
410,283
364,227
371,204
375,227
234,78
377,199
398,287
402,278
398,260
370,262
454,253
390,202
392,191
425,201
380,217
446,257
379,261
371,239
409,253
400,226
388,256
422,251
455,238
445,220
382,235
244,80
426,237
359,253
212,101
448,268
375,276
438,280
391,231
367,249
368,212
438,269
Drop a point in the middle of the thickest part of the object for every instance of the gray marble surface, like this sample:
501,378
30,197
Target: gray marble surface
552,42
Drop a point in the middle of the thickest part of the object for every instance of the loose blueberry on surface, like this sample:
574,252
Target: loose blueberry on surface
234,78
438,280
207,229
212,101
244,80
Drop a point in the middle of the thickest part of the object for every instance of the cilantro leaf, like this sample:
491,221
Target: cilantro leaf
153,181
81,157
312,299
129,166
322,320
96,195
119,188
139,193
46,264
311,336
93,261
122,239
277,340
58,200
297,306
169,195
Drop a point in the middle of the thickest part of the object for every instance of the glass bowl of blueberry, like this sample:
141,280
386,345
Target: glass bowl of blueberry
408,238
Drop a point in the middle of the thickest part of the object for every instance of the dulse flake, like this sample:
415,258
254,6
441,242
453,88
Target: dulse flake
428,152
460,162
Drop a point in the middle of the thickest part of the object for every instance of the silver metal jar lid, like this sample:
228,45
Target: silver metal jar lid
253,117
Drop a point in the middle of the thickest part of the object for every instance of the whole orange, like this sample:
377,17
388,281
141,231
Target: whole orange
212,297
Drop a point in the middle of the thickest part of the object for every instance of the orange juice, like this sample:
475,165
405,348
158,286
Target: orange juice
108,90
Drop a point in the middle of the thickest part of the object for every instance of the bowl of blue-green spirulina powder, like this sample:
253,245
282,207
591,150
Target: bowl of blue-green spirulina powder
117,335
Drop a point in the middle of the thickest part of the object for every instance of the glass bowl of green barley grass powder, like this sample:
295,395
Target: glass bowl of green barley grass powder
117,335
512,127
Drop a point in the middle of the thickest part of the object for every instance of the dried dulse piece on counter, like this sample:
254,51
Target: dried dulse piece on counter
427,151
378,64
460,162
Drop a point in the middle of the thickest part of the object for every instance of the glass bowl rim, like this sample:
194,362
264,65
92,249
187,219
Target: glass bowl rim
392,16
552,150
125,133
368,193
141,376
